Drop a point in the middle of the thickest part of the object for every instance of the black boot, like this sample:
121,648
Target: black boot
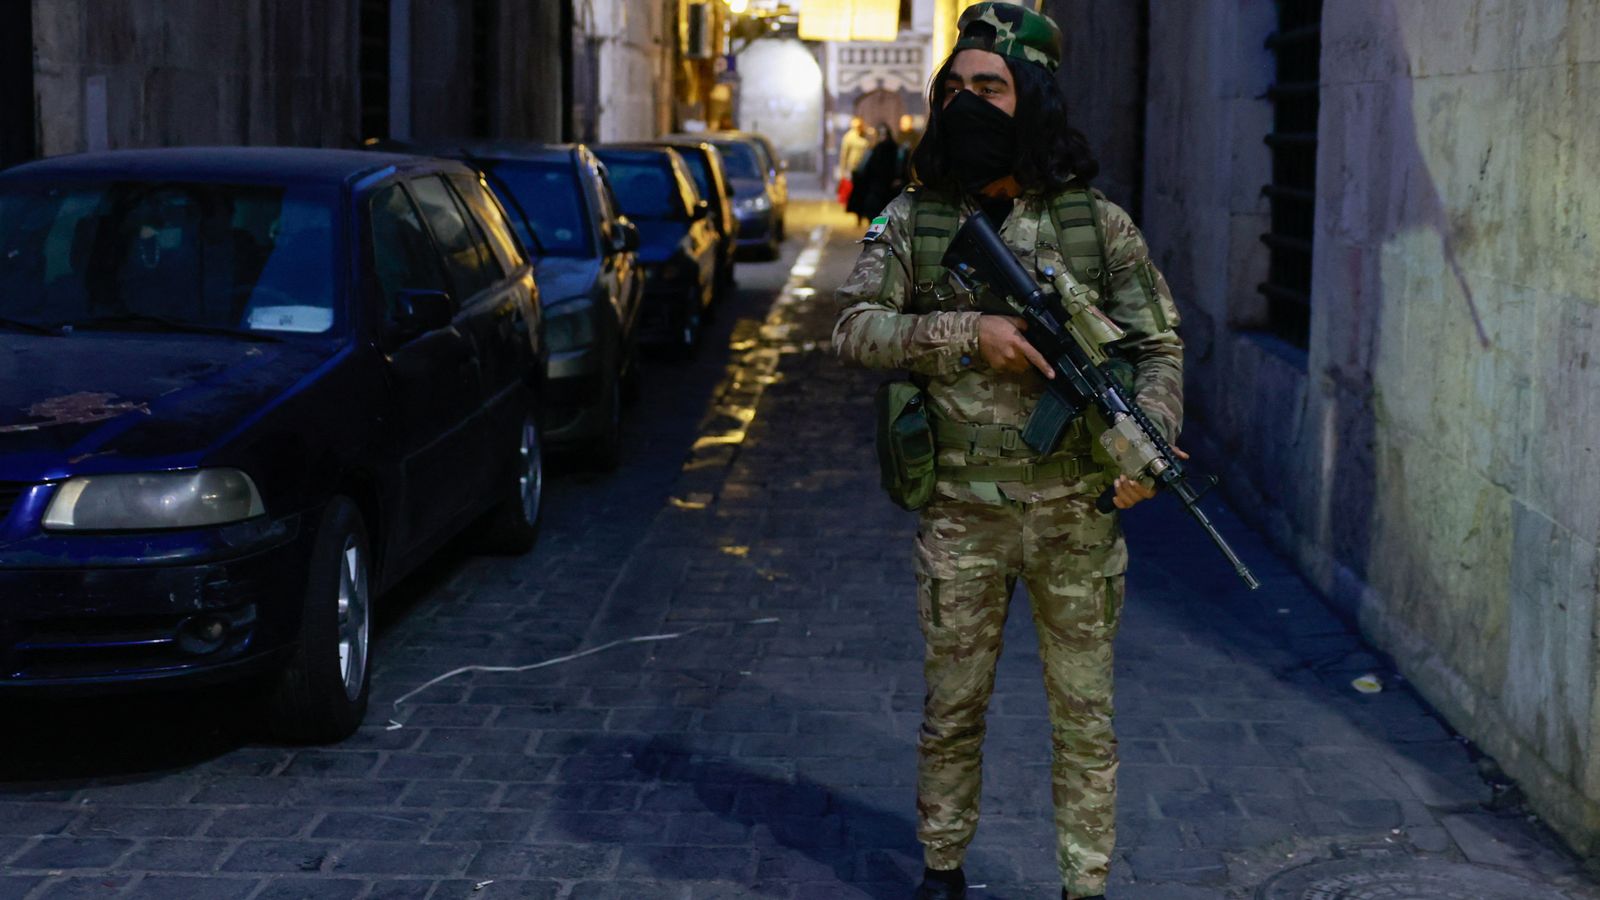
941,884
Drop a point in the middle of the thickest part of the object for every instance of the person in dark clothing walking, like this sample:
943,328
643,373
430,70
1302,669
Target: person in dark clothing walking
879,179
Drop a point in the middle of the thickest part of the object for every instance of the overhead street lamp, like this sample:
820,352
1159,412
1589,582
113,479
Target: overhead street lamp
850,20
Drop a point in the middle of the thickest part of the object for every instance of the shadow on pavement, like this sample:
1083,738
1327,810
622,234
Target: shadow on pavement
805,833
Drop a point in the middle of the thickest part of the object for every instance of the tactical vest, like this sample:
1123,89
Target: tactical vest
1073,217
1074,232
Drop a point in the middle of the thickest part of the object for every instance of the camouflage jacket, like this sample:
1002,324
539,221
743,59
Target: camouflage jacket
878,328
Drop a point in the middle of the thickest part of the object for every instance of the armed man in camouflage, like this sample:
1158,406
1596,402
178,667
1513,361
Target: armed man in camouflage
998,144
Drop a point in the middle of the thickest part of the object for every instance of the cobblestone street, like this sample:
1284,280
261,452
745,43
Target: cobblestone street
746,724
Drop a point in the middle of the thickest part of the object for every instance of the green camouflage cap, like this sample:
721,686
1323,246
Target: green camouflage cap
1010,30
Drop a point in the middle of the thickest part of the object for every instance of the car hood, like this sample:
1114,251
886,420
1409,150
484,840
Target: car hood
565,277
90,402
659,238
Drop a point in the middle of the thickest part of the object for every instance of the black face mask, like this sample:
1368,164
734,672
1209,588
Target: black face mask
980,139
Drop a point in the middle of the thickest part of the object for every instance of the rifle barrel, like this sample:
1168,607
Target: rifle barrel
1239,567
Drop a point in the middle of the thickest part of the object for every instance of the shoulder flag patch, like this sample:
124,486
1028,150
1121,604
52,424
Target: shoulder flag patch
876,229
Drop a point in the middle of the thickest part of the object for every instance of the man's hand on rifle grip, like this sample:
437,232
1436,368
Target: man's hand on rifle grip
1130,492
1003,347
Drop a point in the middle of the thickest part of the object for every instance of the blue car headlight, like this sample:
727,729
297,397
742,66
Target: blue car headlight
756,204
569,325
153,500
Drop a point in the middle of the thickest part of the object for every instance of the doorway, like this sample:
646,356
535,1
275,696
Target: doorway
881,107
18,130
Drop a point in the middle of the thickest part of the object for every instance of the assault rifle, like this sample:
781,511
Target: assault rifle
1069,331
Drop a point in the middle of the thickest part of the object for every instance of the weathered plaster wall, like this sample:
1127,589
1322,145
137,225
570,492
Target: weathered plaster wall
1474,247
1433,459
637,40
195,72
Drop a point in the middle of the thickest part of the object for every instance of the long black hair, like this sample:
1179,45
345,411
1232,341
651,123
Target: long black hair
1051,154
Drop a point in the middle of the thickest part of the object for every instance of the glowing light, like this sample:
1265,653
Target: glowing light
738,7
727,439
850,20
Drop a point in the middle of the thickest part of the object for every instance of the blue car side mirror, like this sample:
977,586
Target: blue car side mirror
624,236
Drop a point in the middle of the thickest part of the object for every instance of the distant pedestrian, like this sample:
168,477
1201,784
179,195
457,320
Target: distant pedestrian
994,511
879,179
909,138
852,153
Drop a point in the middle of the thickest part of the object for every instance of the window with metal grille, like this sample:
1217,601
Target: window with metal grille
373,69
1297,45
17,122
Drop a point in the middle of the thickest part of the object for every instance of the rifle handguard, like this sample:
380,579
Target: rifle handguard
1135,453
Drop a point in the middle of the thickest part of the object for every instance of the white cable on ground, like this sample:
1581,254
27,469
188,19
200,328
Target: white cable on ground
640,639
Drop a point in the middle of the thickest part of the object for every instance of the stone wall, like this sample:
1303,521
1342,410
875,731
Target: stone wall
1432,458
524,69
150,73
142,73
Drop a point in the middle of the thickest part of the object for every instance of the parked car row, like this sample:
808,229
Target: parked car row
247,390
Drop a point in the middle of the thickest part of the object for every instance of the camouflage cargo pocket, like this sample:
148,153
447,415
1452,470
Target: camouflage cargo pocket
1115,594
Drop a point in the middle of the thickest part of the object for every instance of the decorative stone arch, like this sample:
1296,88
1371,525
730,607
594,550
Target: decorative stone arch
880,106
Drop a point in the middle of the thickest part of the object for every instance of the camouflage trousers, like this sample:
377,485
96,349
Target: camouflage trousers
969,556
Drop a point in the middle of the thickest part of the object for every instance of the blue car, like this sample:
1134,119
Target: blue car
244,392
678,241
589,280
760,188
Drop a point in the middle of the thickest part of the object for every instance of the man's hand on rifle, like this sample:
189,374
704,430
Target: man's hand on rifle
1130,492
1004,348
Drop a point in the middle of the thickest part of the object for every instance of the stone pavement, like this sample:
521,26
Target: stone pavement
759,740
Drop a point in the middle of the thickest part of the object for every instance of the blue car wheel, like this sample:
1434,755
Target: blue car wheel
321,694
512,527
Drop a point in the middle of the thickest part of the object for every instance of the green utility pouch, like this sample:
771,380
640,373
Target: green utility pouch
905,444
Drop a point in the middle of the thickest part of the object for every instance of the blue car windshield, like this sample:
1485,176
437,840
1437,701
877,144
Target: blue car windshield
740,160
700,169
545,203
253,257
645,189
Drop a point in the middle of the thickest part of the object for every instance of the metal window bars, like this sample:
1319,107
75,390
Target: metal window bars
1297,46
